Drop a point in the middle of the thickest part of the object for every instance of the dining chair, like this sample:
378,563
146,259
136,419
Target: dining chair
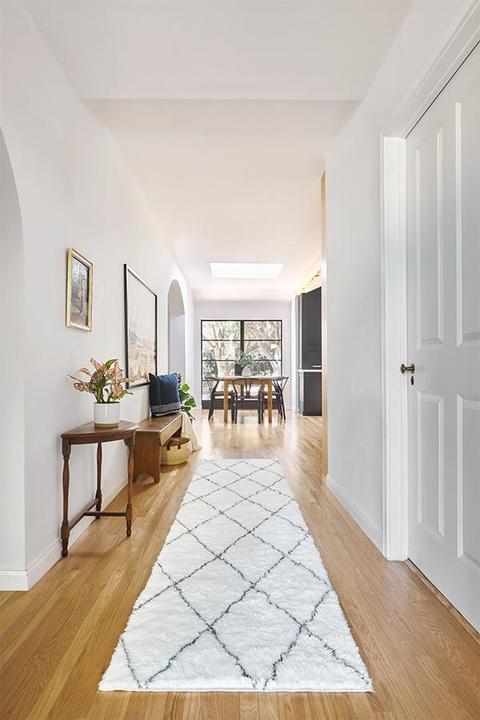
245,399
278,386
216,394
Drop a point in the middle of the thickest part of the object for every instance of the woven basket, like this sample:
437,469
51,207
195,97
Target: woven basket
175,455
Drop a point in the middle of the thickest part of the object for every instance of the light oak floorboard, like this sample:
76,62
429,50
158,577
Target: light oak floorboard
57,639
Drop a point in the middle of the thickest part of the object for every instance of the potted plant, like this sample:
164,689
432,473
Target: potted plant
246,361
187,401
106,383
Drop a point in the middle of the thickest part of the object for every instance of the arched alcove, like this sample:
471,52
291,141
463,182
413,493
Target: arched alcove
12,370
176,329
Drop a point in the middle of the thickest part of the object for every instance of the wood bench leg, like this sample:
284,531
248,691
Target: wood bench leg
147,457
149,439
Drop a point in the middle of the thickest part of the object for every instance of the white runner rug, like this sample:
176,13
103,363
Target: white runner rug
238,598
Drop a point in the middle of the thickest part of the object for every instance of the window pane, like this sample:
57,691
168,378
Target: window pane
221,329
276,367
266,367
263,329
218,367
267,356
221,345
220,349
264,349
205,391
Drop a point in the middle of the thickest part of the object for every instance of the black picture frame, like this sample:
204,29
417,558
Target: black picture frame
133,284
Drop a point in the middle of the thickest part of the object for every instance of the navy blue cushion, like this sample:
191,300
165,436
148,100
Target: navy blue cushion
164,397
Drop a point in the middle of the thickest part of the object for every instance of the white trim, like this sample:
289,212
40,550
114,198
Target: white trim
26,579
394,350
371,530
455,52
13,580
394,297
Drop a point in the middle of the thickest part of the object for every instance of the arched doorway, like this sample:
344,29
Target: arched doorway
12,354
176,330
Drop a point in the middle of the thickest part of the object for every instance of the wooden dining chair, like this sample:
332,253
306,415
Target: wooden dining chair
244,399
216,394
278,386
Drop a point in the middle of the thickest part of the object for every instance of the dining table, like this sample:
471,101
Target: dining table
264,381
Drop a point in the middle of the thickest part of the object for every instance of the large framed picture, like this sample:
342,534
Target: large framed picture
140,329
79,291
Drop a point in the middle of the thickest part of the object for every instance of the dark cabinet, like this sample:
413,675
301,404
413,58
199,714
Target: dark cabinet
310,393
311,329
309,343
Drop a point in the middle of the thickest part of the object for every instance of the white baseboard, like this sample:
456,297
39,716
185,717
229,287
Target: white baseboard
13,580
26,579
366,525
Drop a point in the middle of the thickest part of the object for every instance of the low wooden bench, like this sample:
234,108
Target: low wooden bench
151,435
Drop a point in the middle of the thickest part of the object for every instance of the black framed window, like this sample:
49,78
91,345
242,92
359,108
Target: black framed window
224,340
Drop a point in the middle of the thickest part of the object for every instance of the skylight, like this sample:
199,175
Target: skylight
257,271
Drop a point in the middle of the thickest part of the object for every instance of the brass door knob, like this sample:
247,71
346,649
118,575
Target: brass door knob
407,368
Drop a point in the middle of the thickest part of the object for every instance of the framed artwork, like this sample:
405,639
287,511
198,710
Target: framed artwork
140,329
79,291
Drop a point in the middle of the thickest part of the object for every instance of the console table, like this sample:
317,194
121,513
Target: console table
84,435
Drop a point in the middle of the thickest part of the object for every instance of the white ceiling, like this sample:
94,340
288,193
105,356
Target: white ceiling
231,181
224,110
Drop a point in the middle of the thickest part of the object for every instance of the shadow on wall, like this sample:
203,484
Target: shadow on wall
176,330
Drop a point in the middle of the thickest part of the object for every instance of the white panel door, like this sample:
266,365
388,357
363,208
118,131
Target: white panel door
443,270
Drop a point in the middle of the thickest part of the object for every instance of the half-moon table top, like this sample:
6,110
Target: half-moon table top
92,433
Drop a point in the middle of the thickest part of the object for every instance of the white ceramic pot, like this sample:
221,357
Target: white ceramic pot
247,371
106,415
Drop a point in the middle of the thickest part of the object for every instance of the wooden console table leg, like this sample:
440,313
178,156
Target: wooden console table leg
129,512
98,494
65,531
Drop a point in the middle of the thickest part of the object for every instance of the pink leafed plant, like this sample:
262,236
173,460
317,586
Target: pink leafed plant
106,381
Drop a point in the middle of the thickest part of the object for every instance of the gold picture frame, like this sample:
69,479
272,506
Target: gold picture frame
79,291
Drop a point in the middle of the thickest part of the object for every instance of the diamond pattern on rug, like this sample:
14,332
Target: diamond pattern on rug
248,514
201,590
285,595
192,514
280,533
252,557
184,555
238,598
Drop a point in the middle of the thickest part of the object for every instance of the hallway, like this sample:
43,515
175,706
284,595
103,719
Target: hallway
58,638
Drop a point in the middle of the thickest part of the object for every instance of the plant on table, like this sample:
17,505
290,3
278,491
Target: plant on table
255,361
246,359
107,383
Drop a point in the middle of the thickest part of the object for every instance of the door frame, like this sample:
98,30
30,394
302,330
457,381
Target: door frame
393,193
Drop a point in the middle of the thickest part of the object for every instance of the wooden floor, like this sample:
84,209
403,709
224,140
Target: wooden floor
57,639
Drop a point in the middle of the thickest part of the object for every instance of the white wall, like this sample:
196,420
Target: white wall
12,471
245,310
354,263
74,189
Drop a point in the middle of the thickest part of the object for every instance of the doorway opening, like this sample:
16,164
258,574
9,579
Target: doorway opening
176,330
